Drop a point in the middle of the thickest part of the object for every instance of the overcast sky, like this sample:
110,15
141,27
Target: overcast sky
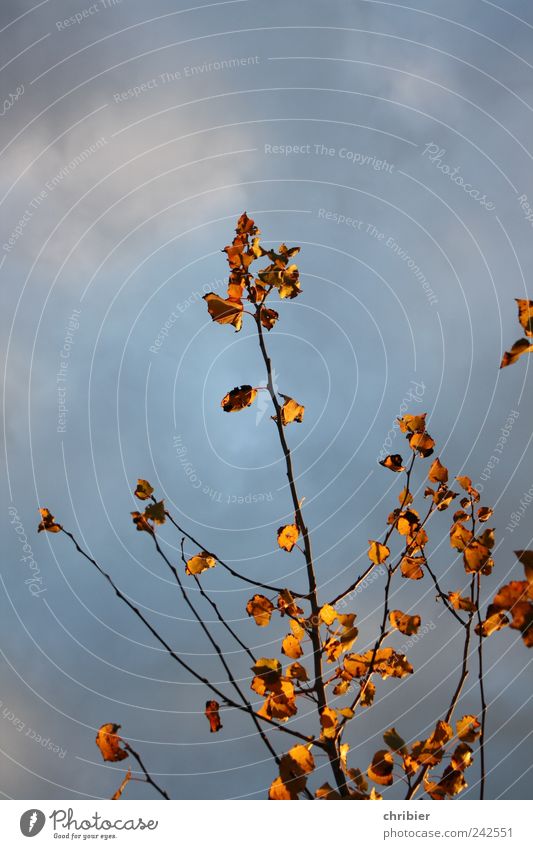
133,135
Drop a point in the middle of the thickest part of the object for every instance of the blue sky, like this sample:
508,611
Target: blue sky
131,141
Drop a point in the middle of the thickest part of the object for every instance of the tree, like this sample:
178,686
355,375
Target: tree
335,680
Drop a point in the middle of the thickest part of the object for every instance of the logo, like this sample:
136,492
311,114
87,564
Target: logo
32,822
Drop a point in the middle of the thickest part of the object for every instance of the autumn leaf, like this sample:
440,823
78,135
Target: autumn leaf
411,567
521,346
393,462
386,662
327,614
268,317
328,722
406,624
462,757
393,740
280,792
377,552
287,605
494,622
48,522
287,537
143,490
423,443
413,424
526,559
468,729
516,598
459,536
484,513
525,315
475,556
291,647
367,693
141,523
212,709
297,672
199,563
224,311
451,783
380,770
108,741
156,513
118,793
437,472
291,411
459,602
261,609
326,792
238,399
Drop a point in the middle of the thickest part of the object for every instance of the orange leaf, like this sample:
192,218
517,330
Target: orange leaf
287,537
212,708
108,741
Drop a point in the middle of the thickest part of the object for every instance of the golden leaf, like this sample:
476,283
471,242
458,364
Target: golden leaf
268,670
475,556
377,552
224,311
297,629
108,741
521,346
141,523
468,728
200,562
494,622
261,609
279,792
484,513
462,757
156,513
298,672
459,602
286,604
327,614
525,315
437,472
48,522
459,536
393,462
412,567
380,770
291,411
212,709
387,663
143,490
238,399
406,624
368,691
393,740
328,722
327,792
423,443
287,537
291,647
451,783
413,424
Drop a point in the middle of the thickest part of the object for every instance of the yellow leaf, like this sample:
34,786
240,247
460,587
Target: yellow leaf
48,522
393,462
156,513
108,741
291,411
200,562
413,424
328,721
377,552
423,443
459,602
437,472
521,346
412,567
475,556
261,609
238,399
327,792
297,630
143,490
224,311
459,536
298,672
468,728
462,757
525,315
327,614
291,647
368,691
287,537
492,623
279,792
406,624
380,770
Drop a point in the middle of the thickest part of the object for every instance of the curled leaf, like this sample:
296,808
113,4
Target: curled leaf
156,513
406,624
143,490
287,537
238,399
521,346
212,709
261,608
437,472
291,411
108,741
380,770
377,552
224,311
48,522
200,562
393,462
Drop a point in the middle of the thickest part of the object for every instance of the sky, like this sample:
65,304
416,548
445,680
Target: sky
132,137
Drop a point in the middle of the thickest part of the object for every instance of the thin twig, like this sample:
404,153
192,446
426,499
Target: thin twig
148,777
481,693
